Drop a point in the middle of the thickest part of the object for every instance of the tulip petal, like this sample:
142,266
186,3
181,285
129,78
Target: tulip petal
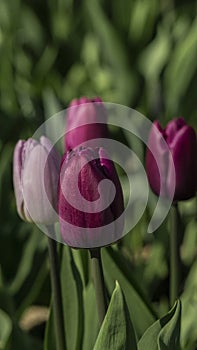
109,167
172,128
36,172
184,153
157,160
77,225
179,156
86,120
17,168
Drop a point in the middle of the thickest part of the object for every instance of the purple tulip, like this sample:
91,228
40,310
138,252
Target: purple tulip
182,143
86,203
85,111
36,167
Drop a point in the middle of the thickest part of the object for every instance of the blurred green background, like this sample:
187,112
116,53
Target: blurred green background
138,53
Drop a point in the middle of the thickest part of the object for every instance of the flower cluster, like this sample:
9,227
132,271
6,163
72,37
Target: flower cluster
37,173
80,188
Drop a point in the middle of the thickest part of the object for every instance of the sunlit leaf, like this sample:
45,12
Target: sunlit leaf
164,334
140,312
117,331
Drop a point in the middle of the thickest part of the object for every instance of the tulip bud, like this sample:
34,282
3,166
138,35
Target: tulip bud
90,197
182,144
81,113
35,175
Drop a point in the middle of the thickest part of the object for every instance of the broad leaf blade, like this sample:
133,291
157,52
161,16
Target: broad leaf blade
164,334
140,313
117,331
91,327
72,300
169,337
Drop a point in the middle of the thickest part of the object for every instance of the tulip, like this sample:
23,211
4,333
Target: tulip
35,175
86,203
86,120
181,142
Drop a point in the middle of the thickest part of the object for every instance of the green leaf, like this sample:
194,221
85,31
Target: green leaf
49,338
164,334
189,310
82,260
7,302
27,260
112,47
72,300
117,332
181,68
155,56
32,29
72,305
5,328
31,270
140,312
142,19
189,243
91,328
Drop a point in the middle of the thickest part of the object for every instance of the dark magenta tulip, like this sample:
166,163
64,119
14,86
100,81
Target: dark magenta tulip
85,111
182,143
86,203
36,167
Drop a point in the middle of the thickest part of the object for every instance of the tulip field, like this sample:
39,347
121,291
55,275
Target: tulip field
98,175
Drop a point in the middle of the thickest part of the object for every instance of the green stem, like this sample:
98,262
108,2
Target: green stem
174,254
101,295
56,294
